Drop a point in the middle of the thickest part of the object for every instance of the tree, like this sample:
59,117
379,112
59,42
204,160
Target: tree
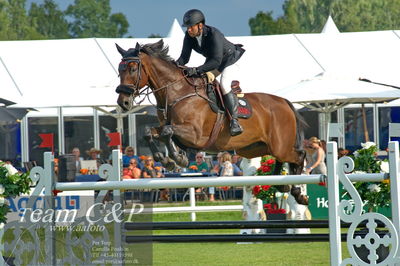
48,20
306,16
14,23
91,18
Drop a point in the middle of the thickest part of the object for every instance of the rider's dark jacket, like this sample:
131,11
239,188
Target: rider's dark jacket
218,51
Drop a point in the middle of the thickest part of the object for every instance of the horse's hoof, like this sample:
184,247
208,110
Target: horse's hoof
302,199
171,166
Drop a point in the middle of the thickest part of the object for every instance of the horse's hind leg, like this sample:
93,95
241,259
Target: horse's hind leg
277,171
295,168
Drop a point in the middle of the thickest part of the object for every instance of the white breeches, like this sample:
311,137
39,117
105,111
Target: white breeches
230,73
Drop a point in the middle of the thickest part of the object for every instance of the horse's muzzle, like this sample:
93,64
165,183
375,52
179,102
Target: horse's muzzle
125,89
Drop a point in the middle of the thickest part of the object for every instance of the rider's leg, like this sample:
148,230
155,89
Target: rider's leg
231,101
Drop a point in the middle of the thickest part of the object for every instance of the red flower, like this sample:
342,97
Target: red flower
322,184
265,187
271,161
272,211
265,168
256,190
267,206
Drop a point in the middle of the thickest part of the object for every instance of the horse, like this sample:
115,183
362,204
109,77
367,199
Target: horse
186,119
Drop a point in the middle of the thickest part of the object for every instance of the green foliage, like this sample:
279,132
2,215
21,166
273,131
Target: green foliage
83,19
92,19
307,16
12,184
375,194
48,20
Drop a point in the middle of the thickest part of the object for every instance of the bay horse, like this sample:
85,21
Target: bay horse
186,119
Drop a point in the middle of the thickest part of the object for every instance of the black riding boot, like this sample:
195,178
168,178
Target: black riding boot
231,103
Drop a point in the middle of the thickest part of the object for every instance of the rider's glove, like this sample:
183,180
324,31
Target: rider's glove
190,71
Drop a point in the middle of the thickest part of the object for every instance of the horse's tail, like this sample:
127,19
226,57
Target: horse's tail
301,124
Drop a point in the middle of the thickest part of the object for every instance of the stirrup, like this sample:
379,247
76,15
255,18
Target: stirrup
235,128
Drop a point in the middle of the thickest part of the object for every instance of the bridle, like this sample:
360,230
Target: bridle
134,91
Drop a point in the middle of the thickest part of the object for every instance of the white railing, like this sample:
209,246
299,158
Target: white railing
338,210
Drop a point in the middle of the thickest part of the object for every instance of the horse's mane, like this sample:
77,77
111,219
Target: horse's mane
158,50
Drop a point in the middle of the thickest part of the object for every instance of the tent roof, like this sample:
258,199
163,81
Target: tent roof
83,72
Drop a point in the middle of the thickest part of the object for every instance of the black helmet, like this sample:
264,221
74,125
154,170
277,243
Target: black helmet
192,17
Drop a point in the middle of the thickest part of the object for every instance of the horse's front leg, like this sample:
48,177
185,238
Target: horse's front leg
150,135
178,156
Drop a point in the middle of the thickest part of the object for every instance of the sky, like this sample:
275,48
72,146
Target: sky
148,17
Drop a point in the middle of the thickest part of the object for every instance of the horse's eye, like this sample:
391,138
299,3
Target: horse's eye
132,69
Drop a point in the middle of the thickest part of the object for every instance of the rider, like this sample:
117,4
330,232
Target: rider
221,56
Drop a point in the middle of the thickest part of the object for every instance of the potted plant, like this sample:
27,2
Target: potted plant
12,183
271,197
374,195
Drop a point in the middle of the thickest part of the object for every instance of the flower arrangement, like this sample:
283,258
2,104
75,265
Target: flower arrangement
84,171
268,194
12,184
374,194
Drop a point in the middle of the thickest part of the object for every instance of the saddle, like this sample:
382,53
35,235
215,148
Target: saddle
216,102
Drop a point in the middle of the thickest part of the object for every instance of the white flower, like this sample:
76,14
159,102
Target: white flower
1,226
356,154
2,201
374,188
1,189
11,170
367,144
385,167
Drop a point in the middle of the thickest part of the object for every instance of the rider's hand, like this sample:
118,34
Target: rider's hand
190,71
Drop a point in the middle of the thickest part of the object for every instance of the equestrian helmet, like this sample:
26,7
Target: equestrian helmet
192,17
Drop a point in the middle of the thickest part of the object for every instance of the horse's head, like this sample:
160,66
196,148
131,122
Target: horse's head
132,76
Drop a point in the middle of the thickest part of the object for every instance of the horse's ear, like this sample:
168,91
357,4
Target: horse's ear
120,50
160,44
137,47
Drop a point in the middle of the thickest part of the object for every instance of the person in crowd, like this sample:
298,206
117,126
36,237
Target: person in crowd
132,171
236,160
128,155
94,154
149,171
199,163
227,167
316,165
342,152
221,57
77,153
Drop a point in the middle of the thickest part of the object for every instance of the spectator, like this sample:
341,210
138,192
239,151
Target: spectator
201,165
227,168
132,171
216,170
342,152
128,155
94,155
149,171
317,164
236,159
77,153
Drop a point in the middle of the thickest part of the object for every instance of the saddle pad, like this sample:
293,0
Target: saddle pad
244,107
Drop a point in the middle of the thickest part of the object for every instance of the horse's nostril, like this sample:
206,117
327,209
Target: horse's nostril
126,103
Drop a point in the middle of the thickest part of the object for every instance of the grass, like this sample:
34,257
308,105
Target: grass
282,253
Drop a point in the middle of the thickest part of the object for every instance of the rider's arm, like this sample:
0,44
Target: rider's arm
186,51
216,48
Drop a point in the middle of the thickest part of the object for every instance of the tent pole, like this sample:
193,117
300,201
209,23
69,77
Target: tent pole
364,118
